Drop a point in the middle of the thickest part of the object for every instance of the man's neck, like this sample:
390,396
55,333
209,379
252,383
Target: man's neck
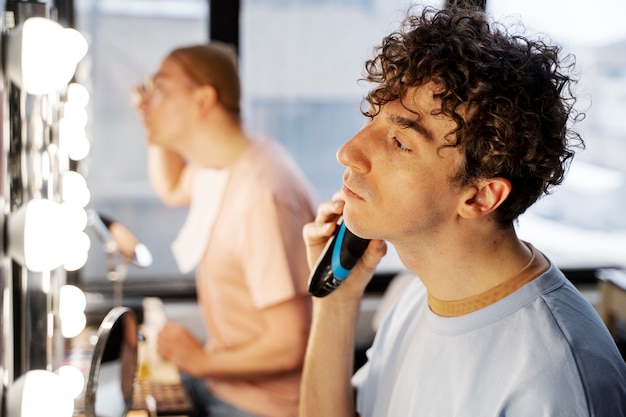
468,266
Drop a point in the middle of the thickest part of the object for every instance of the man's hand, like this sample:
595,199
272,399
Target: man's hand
326,388
316,235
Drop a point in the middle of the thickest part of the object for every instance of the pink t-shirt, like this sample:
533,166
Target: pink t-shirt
255,258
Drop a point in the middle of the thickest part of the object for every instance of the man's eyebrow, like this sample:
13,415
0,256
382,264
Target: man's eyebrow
413,124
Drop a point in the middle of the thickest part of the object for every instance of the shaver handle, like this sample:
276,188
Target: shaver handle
342,252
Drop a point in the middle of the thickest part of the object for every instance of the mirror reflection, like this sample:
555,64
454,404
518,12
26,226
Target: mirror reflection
118,239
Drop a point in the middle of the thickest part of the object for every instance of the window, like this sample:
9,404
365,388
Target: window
300,66
300,63
580,225
127,40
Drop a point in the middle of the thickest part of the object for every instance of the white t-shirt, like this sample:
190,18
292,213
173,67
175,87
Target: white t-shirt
540,351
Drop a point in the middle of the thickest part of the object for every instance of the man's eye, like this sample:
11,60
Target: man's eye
400,145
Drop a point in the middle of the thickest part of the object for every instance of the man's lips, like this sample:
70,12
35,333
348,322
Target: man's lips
349,193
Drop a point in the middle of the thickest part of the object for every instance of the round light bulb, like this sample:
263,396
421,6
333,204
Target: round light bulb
72,303
77,94
42,230
73,139
39,393
75,113
77,255
72,300
72,379
72,326
75,189
43,55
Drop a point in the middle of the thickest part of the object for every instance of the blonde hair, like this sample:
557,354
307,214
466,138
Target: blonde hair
213,64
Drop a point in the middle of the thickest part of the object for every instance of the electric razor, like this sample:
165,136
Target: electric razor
342,252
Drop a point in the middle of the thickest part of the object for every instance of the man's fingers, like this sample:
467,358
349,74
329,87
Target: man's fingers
375,251
329,211
317,233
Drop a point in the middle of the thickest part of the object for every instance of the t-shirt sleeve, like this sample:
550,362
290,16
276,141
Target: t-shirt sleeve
275,266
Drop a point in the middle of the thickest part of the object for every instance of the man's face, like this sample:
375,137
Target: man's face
167,105
396,183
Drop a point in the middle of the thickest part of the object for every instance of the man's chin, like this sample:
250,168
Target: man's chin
354,223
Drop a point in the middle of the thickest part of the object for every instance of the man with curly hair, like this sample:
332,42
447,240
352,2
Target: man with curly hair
468,126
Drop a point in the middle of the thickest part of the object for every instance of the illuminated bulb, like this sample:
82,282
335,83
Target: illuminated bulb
73,140
72,380
42,55
71,300
79,149
75,190
72,326
39,393
77,94
77,251
75,114
75,217
75,240
44,235
76,45
35,232
72,303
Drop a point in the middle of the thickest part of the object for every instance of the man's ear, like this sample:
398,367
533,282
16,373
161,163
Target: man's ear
484,197
206,97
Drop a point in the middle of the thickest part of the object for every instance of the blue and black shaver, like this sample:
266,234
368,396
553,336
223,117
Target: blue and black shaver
342,252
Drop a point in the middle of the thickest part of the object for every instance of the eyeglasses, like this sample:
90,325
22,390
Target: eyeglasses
142,91
147,90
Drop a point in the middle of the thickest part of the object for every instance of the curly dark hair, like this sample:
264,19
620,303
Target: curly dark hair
511,97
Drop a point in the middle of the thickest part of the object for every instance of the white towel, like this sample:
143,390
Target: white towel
207,193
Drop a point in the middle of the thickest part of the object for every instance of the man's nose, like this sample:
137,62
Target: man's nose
353,153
